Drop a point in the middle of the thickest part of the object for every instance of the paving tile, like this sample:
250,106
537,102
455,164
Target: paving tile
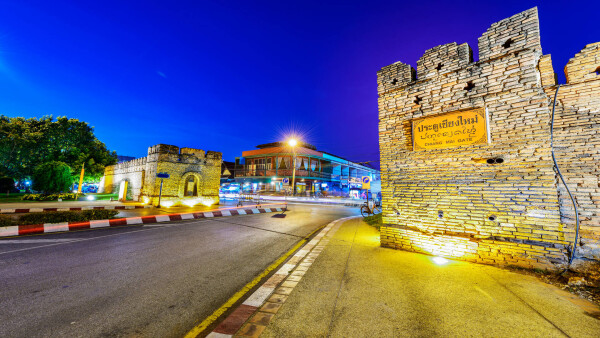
276,298
251,330
289,284
283,290
274,281
235,320
270,307
262,318
294,278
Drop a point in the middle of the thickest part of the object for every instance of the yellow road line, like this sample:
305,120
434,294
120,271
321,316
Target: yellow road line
238,295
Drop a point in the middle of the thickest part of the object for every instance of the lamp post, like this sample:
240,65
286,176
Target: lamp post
292,142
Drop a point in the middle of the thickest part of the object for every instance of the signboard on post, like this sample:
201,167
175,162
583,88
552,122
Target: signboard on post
286,181
461,128
162,175
366,182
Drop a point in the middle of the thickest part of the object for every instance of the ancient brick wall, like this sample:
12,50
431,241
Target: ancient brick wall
194,176
577,144
451,202
131,171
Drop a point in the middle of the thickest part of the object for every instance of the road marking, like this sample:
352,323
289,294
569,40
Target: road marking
89,239
196,330
30,241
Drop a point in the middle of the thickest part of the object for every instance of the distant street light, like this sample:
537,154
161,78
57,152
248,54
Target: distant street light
292,142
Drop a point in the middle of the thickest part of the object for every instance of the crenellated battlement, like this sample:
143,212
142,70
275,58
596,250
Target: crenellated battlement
506,38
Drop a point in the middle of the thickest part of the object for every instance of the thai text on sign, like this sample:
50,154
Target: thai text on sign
461,128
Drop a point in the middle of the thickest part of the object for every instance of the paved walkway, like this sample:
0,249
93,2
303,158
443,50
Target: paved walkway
355,288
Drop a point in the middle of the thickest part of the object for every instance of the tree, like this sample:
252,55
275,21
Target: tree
27,143
52,177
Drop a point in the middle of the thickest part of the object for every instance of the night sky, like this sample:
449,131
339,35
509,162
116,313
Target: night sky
228,75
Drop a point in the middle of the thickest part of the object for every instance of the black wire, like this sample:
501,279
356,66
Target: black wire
562,178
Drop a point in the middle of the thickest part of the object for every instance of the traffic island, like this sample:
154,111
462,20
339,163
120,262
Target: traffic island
35,229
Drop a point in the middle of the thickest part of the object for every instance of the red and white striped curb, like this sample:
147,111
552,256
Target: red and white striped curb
21,230
108,207
258,309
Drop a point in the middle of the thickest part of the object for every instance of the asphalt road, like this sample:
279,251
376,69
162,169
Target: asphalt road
151,281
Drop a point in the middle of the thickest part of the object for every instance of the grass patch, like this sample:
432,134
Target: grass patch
375,221
103,197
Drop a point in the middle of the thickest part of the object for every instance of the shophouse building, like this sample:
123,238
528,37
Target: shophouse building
270,169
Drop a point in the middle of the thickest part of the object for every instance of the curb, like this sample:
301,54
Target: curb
33,229
109,207
252,316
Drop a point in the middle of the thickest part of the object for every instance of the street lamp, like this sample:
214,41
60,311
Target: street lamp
292,143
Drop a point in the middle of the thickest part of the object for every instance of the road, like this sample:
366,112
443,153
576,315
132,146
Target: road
151,281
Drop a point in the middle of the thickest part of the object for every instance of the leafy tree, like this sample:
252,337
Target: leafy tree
27,143
51,177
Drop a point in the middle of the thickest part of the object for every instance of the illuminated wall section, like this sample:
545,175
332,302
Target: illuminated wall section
495,200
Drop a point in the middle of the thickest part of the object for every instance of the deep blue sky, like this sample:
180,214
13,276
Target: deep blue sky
228,75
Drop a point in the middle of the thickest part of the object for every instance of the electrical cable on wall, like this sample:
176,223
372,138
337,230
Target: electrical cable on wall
563,179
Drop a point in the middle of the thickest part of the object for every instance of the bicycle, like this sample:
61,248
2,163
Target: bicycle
365,209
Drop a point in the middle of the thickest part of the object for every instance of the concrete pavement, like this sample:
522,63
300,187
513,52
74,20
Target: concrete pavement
153,281
355,288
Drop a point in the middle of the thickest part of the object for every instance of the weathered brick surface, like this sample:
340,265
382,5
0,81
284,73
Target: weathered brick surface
448,201
180,164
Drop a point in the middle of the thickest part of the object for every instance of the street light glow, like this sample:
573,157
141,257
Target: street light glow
440,260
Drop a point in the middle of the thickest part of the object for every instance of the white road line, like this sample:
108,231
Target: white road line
33,241
89,239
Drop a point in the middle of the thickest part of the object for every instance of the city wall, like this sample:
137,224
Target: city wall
194,176
453,202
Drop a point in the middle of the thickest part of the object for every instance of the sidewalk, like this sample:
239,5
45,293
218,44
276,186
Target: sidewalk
355,288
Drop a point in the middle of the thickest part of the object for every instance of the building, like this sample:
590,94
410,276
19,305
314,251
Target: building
466,152
194,177
269,169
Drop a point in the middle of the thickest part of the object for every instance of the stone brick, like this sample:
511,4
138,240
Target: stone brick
533,222
183,165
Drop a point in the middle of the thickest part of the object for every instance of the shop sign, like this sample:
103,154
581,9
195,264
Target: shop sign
356,180
461,128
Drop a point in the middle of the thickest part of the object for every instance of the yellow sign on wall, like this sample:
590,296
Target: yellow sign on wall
461,128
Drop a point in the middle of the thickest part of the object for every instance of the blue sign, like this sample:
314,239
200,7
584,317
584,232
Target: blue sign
286,180
162,175
366,179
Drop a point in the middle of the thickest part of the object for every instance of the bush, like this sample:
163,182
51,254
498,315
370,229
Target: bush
49,197
375,221
66,216
52,177
6,221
